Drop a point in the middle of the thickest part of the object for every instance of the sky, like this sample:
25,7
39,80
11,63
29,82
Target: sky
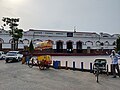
83,15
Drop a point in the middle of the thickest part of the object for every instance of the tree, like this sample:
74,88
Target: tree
31,47
114,43
14,31
118,43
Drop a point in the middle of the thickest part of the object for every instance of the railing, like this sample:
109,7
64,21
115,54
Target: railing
81,68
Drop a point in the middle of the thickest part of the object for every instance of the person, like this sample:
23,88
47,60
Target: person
114,57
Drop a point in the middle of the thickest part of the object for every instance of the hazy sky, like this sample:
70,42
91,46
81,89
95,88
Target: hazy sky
87,15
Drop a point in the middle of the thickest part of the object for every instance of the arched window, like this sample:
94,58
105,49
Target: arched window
106,43
98,43
89,43
25,41
37,40
12,44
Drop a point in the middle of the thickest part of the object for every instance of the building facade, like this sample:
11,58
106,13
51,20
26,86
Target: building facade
63,41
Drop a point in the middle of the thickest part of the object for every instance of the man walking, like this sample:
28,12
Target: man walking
114,57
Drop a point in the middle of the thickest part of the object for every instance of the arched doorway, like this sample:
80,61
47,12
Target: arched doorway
69,47
12,44
59,46
79,47
89,44
1,42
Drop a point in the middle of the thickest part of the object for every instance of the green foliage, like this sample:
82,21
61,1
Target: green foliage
31,47
18,33
14,31
114,43
12,23
118,44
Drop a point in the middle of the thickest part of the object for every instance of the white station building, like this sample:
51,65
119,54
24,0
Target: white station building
63,41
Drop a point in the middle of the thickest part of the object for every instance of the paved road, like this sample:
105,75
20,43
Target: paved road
15,76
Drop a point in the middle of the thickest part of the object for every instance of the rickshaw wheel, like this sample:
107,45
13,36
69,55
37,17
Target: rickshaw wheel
30,64
47,66
41,65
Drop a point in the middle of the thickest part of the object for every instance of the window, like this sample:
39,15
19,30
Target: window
69,34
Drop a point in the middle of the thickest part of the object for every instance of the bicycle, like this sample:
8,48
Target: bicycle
96,72
32,62
98,67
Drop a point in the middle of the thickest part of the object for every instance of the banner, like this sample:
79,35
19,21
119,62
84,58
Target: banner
43,45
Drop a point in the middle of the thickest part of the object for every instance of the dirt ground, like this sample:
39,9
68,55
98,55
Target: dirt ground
15,76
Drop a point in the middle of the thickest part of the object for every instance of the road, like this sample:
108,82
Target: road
15,76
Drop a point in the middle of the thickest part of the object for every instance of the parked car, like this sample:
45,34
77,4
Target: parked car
13,56
2,55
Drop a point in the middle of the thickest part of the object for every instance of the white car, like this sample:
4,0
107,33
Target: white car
2,55
13,56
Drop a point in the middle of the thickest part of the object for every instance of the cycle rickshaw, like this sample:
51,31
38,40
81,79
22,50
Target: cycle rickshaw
43,61
100,66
